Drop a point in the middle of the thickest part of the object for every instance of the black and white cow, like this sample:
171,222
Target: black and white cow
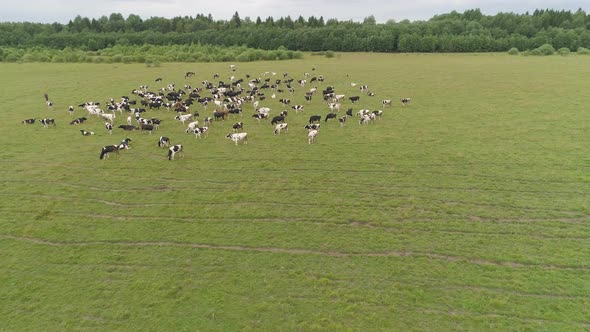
297,108
173,150
342,120
277,119
191,126
315,118
378,113
125,144
109,127
128,127
28,121
386,102
86,133
236,137
48,121
183,118
364,88
371,94
71,110
164,142
147,127
280,127
330,116
405,101
78,121
237,126
354,99
200,131
260,116
311,136
314,126
349,112
108,149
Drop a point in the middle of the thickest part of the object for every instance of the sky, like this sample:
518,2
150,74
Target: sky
49,11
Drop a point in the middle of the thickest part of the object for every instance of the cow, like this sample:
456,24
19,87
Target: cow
386,102
405,101
277,119
183,118
342,120
236,137
311,136
354,99
164,142
201,130
237,126
173,150
260,116
220,115
364,88
108,149
315,126
315,118
280,127
370,94
297,108
125,144
334,107
86,133
191,126
128,127
109,127
147,127
349,112
48,121
330,116
378,113
78,121
363,112
28,121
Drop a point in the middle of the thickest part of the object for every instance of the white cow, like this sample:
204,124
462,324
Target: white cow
280,127
236,137
311,136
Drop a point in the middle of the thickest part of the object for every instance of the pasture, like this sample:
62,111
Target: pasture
468,209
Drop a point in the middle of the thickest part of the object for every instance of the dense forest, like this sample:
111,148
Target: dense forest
470,31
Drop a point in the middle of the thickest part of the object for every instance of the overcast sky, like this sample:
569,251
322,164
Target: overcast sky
49,11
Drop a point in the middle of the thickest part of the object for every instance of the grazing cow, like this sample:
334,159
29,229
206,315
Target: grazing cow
128,127
48,121
342,120
147,127
366,118
363,112
378,113
371,94
297,108
236,137
311,136
315,118
308,98
173,150
330,116
280,127
285,101
108,117
156,123
237,126
386,102
277,119
189,74
349,112
86,133
109,127
334,107
354,99
164,142
183,118
260,116
130,120
191,126
201,130
220,115
315,126
208,120
78,121
28,121
364,88
405,101
71,110
108,149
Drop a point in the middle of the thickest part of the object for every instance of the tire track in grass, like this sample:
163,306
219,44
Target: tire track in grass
294,251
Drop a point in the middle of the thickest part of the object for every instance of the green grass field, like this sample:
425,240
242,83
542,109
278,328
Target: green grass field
469,209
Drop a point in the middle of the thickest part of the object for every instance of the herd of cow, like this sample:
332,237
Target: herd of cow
227,99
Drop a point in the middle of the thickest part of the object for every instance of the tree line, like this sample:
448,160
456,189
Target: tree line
470,31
